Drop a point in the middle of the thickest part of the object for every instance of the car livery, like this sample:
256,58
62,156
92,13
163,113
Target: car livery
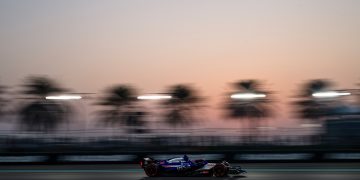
183,166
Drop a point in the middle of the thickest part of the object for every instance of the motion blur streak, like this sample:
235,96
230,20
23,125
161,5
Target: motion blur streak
63,97
330,94
153,97
272,171
247,96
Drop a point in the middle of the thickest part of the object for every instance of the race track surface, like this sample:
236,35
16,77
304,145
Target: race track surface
265,171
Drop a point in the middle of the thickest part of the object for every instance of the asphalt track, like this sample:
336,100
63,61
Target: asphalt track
265,171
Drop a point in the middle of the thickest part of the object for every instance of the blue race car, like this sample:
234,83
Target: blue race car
183,166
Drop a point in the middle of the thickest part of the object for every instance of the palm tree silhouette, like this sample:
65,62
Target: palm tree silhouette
41,114
121,101
179,108
253,110
3,101
358,97
314,109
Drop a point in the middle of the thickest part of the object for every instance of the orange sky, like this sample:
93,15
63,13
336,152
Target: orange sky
89,45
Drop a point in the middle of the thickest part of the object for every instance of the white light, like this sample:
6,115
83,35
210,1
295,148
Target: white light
329,94
247,96
63,97
153,97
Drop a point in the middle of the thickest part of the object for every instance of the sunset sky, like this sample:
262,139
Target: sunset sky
89,45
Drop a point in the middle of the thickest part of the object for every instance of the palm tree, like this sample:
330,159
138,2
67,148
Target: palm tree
252,109
310,108
121,101
358,96
314,109
180,106
3,101
41,87
41,114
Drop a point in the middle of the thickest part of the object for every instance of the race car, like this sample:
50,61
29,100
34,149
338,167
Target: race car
183,166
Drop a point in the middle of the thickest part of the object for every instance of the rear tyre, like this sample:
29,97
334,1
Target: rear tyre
220,170
152,170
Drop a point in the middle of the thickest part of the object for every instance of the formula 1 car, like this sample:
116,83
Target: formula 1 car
183,166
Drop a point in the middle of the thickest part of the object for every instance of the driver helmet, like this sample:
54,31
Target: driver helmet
186,158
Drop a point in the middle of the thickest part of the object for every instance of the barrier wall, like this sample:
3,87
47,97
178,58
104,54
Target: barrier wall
235,157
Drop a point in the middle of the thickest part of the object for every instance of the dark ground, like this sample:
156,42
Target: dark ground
264,171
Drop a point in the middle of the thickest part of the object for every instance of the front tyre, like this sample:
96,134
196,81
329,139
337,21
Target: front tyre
220,170
152,170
